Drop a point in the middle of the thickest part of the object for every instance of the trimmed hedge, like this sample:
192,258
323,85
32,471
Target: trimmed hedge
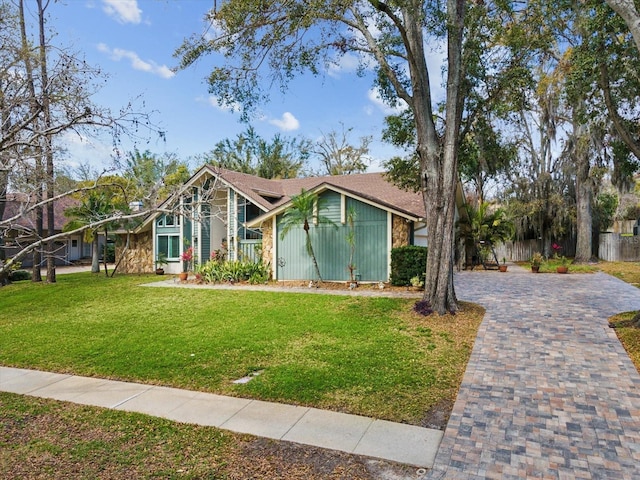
407,262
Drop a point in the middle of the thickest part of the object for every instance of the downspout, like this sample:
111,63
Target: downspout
390,243
274,246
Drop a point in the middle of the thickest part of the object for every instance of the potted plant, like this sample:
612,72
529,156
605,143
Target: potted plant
161,261
186,257
564,265
564,262
536,261
503,265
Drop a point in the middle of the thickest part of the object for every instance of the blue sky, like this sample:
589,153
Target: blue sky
133,42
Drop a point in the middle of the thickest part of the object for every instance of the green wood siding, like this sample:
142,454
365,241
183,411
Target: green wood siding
332,249
205,242
331,206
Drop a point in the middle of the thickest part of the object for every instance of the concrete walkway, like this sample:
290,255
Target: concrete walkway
549,391
396,442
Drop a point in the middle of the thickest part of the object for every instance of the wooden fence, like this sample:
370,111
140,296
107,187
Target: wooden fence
523,250
614,247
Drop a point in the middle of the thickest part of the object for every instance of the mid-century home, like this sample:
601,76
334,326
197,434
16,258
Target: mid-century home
239,215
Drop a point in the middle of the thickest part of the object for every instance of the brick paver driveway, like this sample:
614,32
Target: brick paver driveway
549,392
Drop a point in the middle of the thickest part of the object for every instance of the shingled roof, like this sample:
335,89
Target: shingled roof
374,187
16,204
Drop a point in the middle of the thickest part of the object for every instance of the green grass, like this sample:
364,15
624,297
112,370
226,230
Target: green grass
628,334
47,439
362,355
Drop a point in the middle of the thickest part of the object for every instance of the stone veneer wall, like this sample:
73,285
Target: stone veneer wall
139,256
267,243
401,232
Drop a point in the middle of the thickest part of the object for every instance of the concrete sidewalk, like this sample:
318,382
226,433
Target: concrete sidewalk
396,442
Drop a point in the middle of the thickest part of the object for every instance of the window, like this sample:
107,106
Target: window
169,245
74,243
168,220
249,211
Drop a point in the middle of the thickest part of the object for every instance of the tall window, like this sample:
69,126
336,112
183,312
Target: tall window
249,211
169,245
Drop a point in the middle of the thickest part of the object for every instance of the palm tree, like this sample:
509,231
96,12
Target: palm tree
93,208
486,226
305,208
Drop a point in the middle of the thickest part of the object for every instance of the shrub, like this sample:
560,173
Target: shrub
111,252
19,275
406,263
215,271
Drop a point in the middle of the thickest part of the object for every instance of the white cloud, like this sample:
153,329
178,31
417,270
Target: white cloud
347,63
137,63
287,123
81,149
124,11
212,101
374,98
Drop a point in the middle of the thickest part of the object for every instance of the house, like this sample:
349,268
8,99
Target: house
239,215
18,229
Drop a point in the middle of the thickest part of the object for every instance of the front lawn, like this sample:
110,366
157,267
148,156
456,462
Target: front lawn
369,356
628,334
45,439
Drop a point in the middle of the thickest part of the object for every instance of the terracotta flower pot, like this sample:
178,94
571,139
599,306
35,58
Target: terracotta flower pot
535,268
183,276
562,269
503,268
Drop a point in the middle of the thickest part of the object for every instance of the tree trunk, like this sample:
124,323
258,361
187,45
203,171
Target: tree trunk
34,108
48,148
439,166
584,196
313,256
4,183
36,275
104,253
95,253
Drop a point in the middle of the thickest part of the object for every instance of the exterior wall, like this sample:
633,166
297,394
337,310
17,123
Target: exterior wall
401,232
331,247
139,256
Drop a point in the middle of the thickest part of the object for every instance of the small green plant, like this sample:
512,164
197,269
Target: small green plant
536,259
351,240
417,282
161,260
563,260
